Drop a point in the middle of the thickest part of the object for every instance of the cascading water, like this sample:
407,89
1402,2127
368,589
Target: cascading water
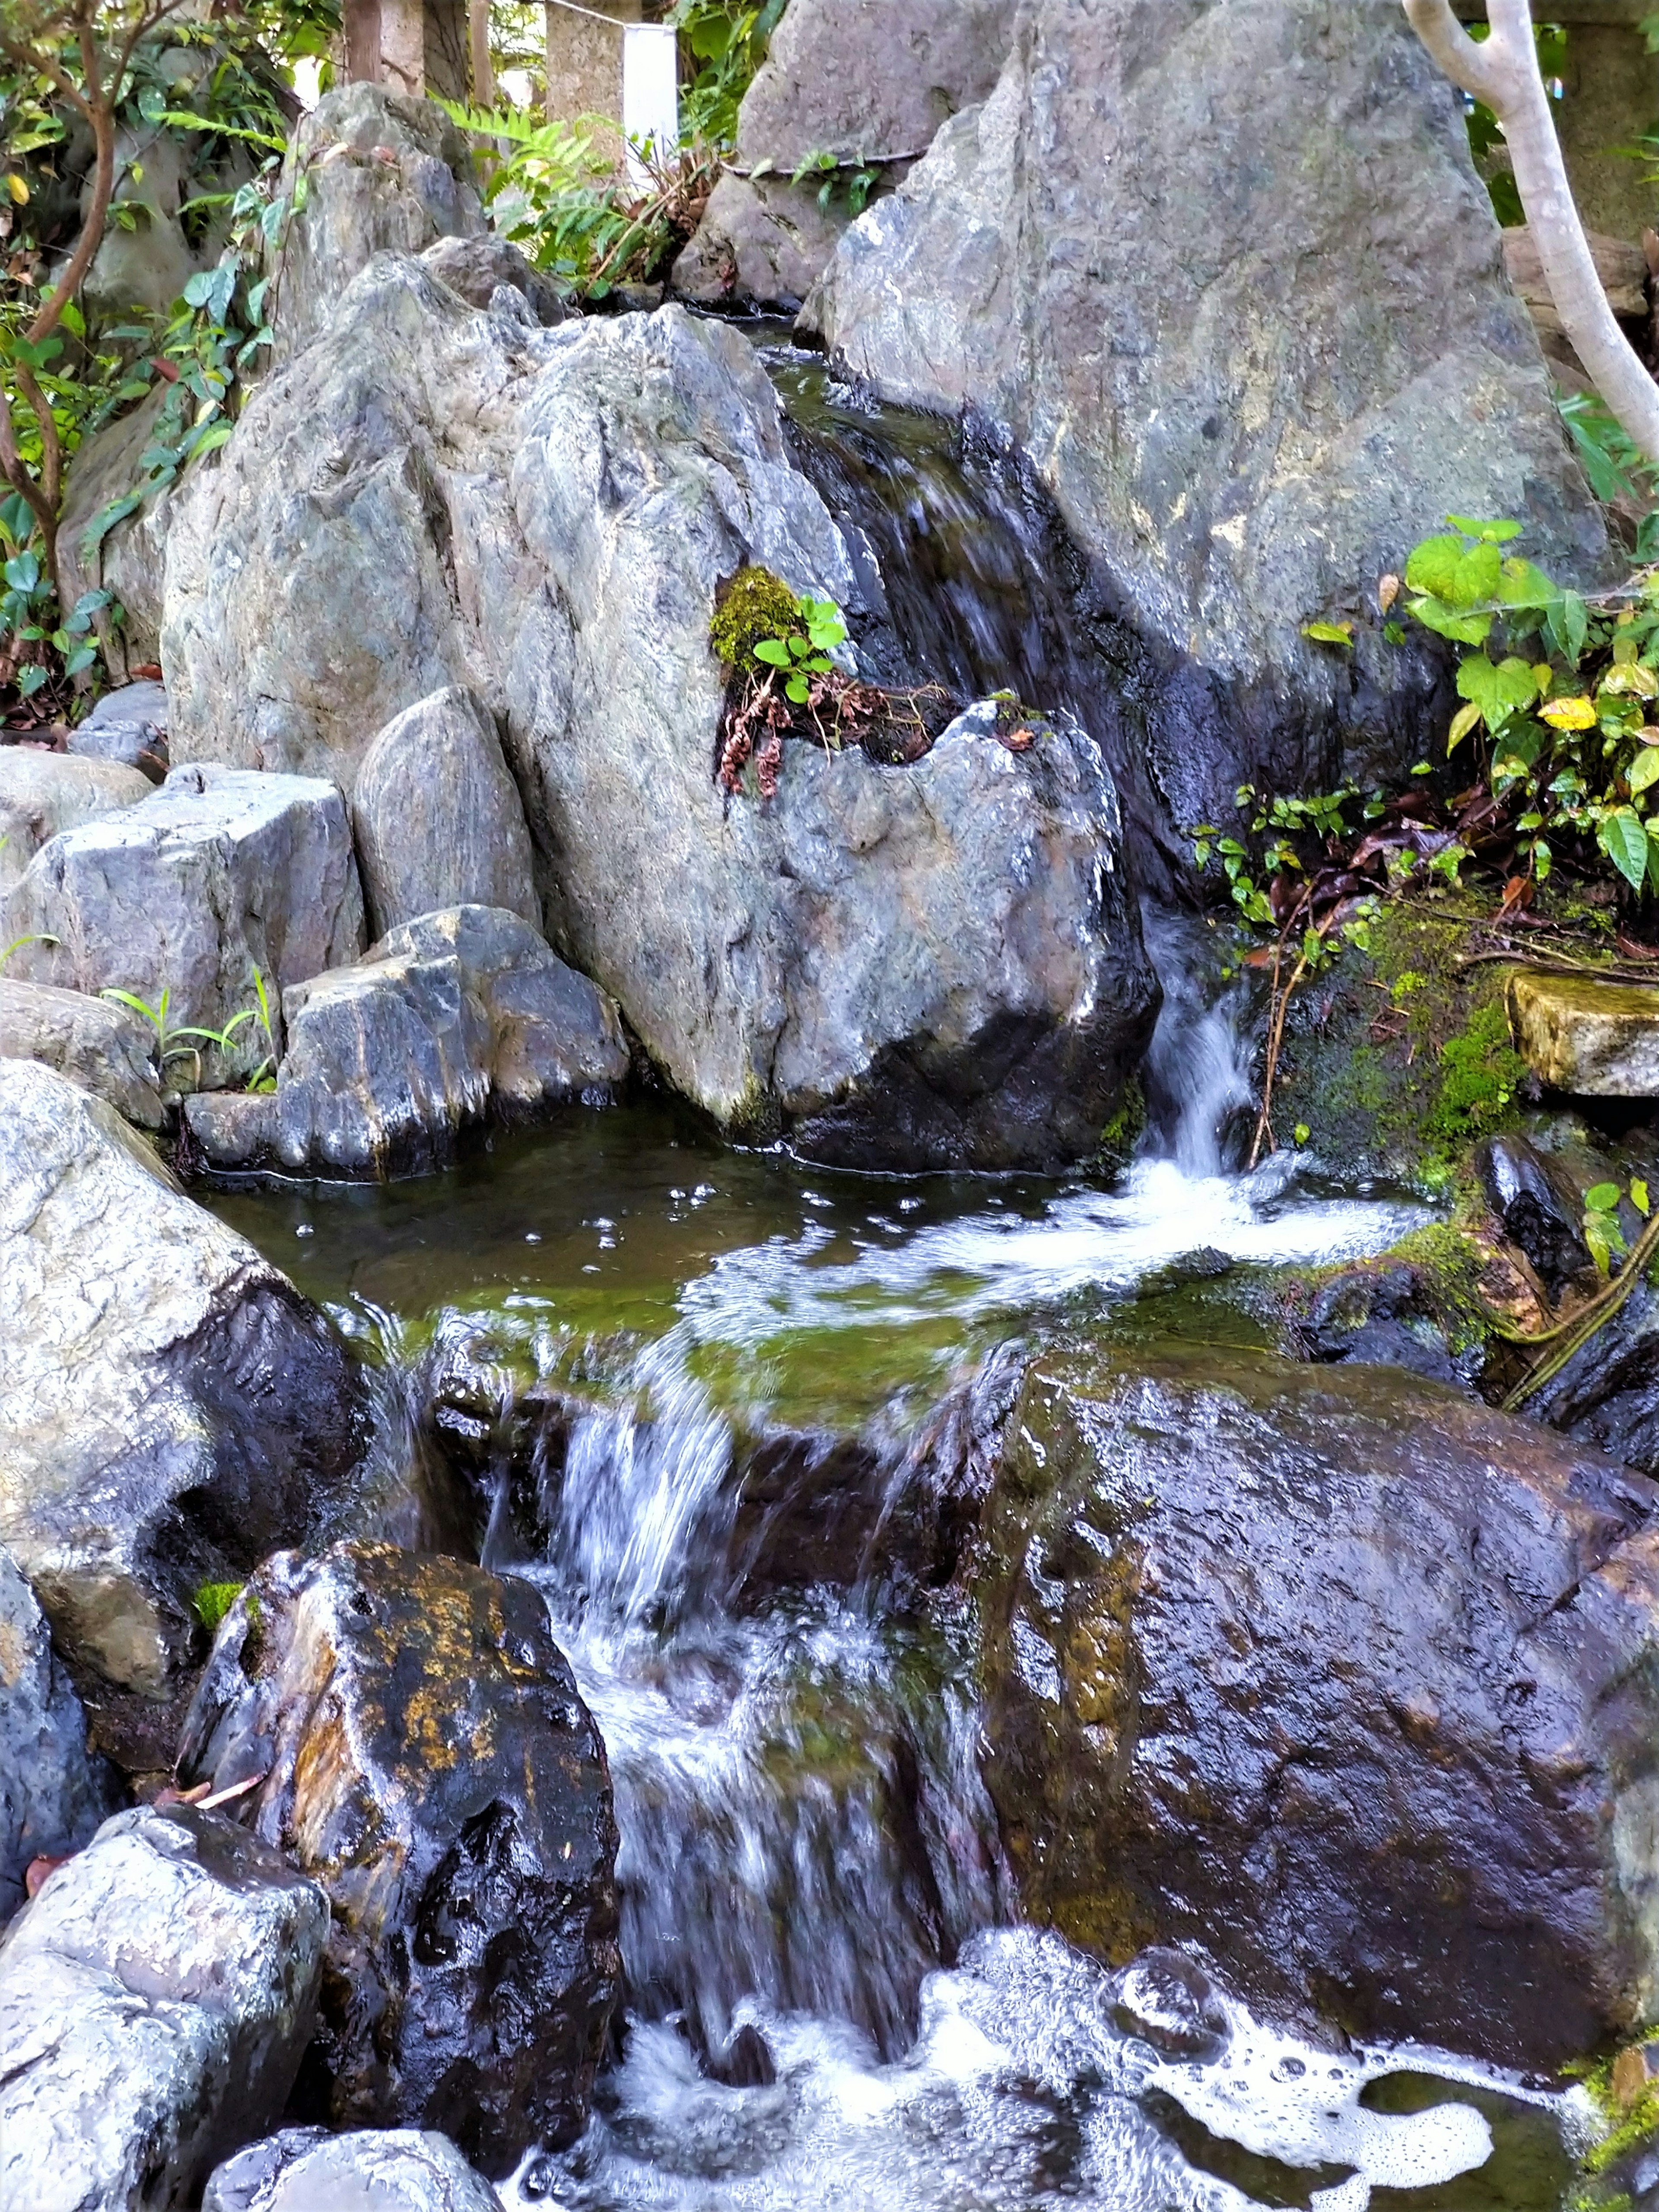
827,2011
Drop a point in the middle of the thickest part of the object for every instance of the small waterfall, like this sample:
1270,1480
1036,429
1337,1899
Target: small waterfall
1196,1075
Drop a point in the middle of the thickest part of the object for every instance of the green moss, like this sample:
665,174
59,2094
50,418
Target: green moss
213,1600
755,605
1481,1073
1123,1131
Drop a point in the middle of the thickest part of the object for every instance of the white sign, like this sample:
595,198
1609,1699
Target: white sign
651,94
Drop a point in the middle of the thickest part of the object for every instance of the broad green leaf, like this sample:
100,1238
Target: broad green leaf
1460,576
773,651
1498,688
1602,1197
1491,534
1623,837
1329,633
1462,630
1643,770
1522,586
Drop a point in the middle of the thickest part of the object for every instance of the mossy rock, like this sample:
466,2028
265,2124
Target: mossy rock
1400,1059
753,607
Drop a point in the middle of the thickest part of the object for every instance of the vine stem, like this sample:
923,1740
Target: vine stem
1281,1004
1578,1328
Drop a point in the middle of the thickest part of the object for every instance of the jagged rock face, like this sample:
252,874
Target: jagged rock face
382,173
1227,274
304,2169
900,69
476,268
41,793
1339,1675
52,1795
103,1047
155,2001
460,1017
171,1408
430,1762
931,966
217,874
438,818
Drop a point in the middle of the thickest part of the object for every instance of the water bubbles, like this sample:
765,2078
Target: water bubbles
304,1229
532,1236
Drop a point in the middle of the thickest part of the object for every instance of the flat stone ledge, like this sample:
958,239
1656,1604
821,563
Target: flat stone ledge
1597,1040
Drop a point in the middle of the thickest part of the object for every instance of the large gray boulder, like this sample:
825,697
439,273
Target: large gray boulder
900,69
932,965
1228,276
171,1408
104,1047
382,173
129,560
128,726
216,875
307,2170
460,1017
438,819
1339,1675
52,1795
427,1757
42,793
155,2000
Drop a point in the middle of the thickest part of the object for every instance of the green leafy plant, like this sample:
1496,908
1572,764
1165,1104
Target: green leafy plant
725,42
170,1044
263,1076
802,653
837,172
1602,1233
30,937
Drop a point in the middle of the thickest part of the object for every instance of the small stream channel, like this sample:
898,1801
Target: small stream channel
830,2007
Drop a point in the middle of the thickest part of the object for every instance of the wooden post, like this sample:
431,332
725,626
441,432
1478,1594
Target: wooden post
363,41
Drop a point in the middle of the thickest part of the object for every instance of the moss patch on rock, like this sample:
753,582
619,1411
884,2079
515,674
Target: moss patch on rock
755,605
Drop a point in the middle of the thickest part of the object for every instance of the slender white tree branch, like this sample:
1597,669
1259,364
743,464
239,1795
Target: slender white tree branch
1504,72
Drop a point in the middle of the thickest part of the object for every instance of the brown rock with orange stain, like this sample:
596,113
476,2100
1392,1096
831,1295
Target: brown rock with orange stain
429,1760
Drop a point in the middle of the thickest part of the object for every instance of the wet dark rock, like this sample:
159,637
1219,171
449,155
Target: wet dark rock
127,727
1383,1315
1229,192
52,1796
430,1762
1539,1206
1607,1394
457,1019
307,2170
155,2001
172,1408
1336,1675
477,267
1169,2001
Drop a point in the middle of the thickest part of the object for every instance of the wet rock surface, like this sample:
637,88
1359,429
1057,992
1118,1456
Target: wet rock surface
429,1760
1599,1039
438,819
42,793
52,1796
1540,1206
1290,396
455,1019
306,2170
155,2001
928,967
220,872
102,1047
171,1408
1337,1675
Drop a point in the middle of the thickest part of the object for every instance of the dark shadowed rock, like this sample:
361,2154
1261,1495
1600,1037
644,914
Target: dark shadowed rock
1541,1207
763,241
430,1762
42,793
52,1795
931,966
1338,1675
457,1018
103,1047
220,872
438,819
1228,276
171,1408
155,2001
307,2170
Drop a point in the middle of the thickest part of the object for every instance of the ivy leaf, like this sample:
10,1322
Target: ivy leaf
1329,633
1623,837
1463,722
1639,1196
1497,690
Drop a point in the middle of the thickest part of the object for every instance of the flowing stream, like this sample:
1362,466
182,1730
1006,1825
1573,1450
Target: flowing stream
830,2005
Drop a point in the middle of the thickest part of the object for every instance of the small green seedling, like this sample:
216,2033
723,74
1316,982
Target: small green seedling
168,1044
1602,1233
799,656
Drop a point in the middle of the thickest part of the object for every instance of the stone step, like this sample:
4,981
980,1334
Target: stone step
1598,1040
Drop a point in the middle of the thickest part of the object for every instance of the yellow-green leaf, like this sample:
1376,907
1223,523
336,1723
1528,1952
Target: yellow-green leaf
1575,714
1631,679
1463,722
1329,633
1643,770
18,189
